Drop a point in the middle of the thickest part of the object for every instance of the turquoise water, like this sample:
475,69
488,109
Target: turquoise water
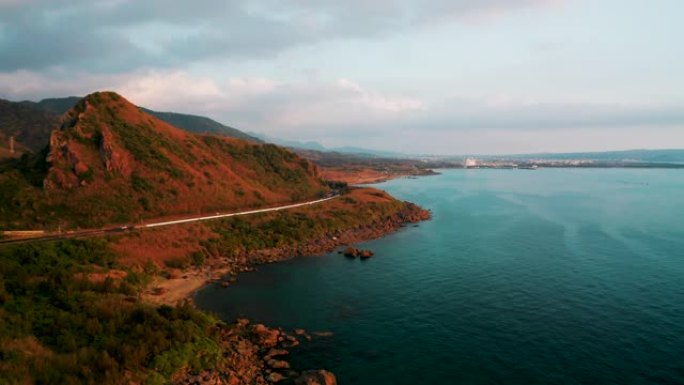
554,276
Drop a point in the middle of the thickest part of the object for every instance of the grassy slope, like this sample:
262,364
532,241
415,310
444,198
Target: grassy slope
238,236
60,324
57,327
112,163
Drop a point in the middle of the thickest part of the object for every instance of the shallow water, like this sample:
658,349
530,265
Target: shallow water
554,276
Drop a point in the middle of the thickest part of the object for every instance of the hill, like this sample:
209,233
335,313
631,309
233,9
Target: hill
57,106
200,124
315,146
86,310
27,123
110,162
31,123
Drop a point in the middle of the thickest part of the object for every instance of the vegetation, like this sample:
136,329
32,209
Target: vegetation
288,228
200,124
30,125
113,163
70,311
57,326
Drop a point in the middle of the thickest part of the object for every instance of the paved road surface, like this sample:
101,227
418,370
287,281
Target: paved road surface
119,229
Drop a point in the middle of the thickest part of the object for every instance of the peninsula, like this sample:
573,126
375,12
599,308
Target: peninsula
105,297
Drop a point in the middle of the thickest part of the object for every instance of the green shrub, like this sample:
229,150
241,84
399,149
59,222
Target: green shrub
91,332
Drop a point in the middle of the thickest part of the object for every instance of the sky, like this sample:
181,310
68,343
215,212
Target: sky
414,76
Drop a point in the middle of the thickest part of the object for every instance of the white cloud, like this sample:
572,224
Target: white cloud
343,111
130,35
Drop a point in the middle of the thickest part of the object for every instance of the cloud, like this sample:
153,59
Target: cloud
310,107
345,112
124,35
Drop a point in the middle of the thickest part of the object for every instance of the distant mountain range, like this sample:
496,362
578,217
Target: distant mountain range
30,123
612,158
654,156
315,146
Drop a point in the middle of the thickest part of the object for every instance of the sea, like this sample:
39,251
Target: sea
549,276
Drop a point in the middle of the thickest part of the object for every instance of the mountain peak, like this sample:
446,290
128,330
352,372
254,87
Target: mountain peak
111,160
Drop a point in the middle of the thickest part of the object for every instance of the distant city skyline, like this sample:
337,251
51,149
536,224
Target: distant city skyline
430,77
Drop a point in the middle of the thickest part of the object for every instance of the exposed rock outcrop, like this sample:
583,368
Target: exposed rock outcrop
249,352
353,252
316,377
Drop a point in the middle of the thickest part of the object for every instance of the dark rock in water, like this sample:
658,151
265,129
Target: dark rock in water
275,377
303,333
366,254
278,364
323,334
275,353
351,252
267,337
316,377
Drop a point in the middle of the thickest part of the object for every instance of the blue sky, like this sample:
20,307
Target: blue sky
441,76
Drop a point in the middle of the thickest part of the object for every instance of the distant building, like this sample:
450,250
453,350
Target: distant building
470,163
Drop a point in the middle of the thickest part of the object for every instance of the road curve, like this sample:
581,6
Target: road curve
217,216
117,229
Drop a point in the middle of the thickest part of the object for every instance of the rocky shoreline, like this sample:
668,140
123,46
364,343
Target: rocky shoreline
254,354
410,213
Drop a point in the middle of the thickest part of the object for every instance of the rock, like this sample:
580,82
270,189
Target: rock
316,377
268,338
242,322
351,252
275,377
278,352
303,333
278,364
323,334
364,254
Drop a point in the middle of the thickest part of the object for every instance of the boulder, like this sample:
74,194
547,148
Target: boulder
276,353
351,252
316,377
267,337
278,364
366,254
275,377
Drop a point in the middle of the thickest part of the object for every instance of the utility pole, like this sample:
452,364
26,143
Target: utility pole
11,144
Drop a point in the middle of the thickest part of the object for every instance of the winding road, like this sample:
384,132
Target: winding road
118,229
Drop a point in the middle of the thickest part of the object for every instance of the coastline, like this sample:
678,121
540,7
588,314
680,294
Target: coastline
255,353
361,176
171,291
